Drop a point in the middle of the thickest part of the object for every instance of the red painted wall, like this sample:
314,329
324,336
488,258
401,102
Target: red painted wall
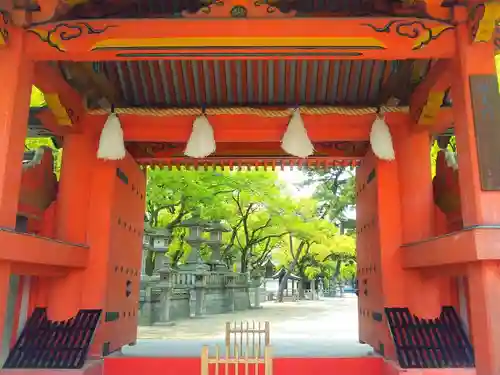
281,366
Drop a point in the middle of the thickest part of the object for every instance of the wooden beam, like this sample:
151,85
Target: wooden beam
94,85
470,245
30,249
427,98
395,85
192,39
166,151
65,102
249,128
28,269
244,128
46,117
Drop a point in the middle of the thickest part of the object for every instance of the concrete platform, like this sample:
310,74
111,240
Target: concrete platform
282,348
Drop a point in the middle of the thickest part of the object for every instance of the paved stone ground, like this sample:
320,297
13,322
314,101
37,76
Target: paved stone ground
306,328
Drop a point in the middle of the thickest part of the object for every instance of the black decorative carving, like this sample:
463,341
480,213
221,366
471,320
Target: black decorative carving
411,30
208,4
64,32
139,9
271,8
239,11
44,343
347,148
321,6
430,343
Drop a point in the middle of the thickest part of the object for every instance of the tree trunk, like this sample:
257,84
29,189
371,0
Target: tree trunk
284,281
302,293
283,284
336,274
293,264
243,262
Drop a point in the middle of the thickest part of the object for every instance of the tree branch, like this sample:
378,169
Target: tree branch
262,227
265,253
182,212
258,241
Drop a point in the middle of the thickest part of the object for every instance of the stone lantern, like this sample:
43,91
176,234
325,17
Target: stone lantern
157,241
215,242
196,227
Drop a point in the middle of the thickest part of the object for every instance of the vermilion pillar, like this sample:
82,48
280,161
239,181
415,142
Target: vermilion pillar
79,152
421,294
475,125
73,204
16,77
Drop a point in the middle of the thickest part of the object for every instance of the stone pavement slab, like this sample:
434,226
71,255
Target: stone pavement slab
327,328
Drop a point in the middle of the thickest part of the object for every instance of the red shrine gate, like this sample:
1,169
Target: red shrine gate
429,65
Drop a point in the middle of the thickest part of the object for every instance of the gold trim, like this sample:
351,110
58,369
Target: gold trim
250,42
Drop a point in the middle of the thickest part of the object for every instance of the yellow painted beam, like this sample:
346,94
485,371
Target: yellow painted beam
488,22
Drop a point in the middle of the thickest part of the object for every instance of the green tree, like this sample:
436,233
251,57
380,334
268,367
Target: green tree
315,248
334,191
256,198
247,201
37,98
452,146
172,196
304,229
34,143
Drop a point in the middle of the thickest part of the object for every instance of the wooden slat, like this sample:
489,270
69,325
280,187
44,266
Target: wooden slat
247,352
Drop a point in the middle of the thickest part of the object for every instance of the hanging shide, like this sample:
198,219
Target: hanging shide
111,143
381,139
201,142
295,141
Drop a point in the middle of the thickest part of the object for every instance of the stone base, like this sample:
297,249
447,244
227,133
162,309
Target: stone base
197,317
164,324
194,267
256,307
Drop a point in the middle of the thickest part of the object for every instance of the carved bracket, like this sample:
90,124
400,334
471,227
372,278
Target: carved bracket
239,9
484,19
63,101
427,98
431,108
62,114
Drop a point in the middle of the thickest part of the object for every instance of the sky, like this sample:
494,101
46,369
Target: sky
293,178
